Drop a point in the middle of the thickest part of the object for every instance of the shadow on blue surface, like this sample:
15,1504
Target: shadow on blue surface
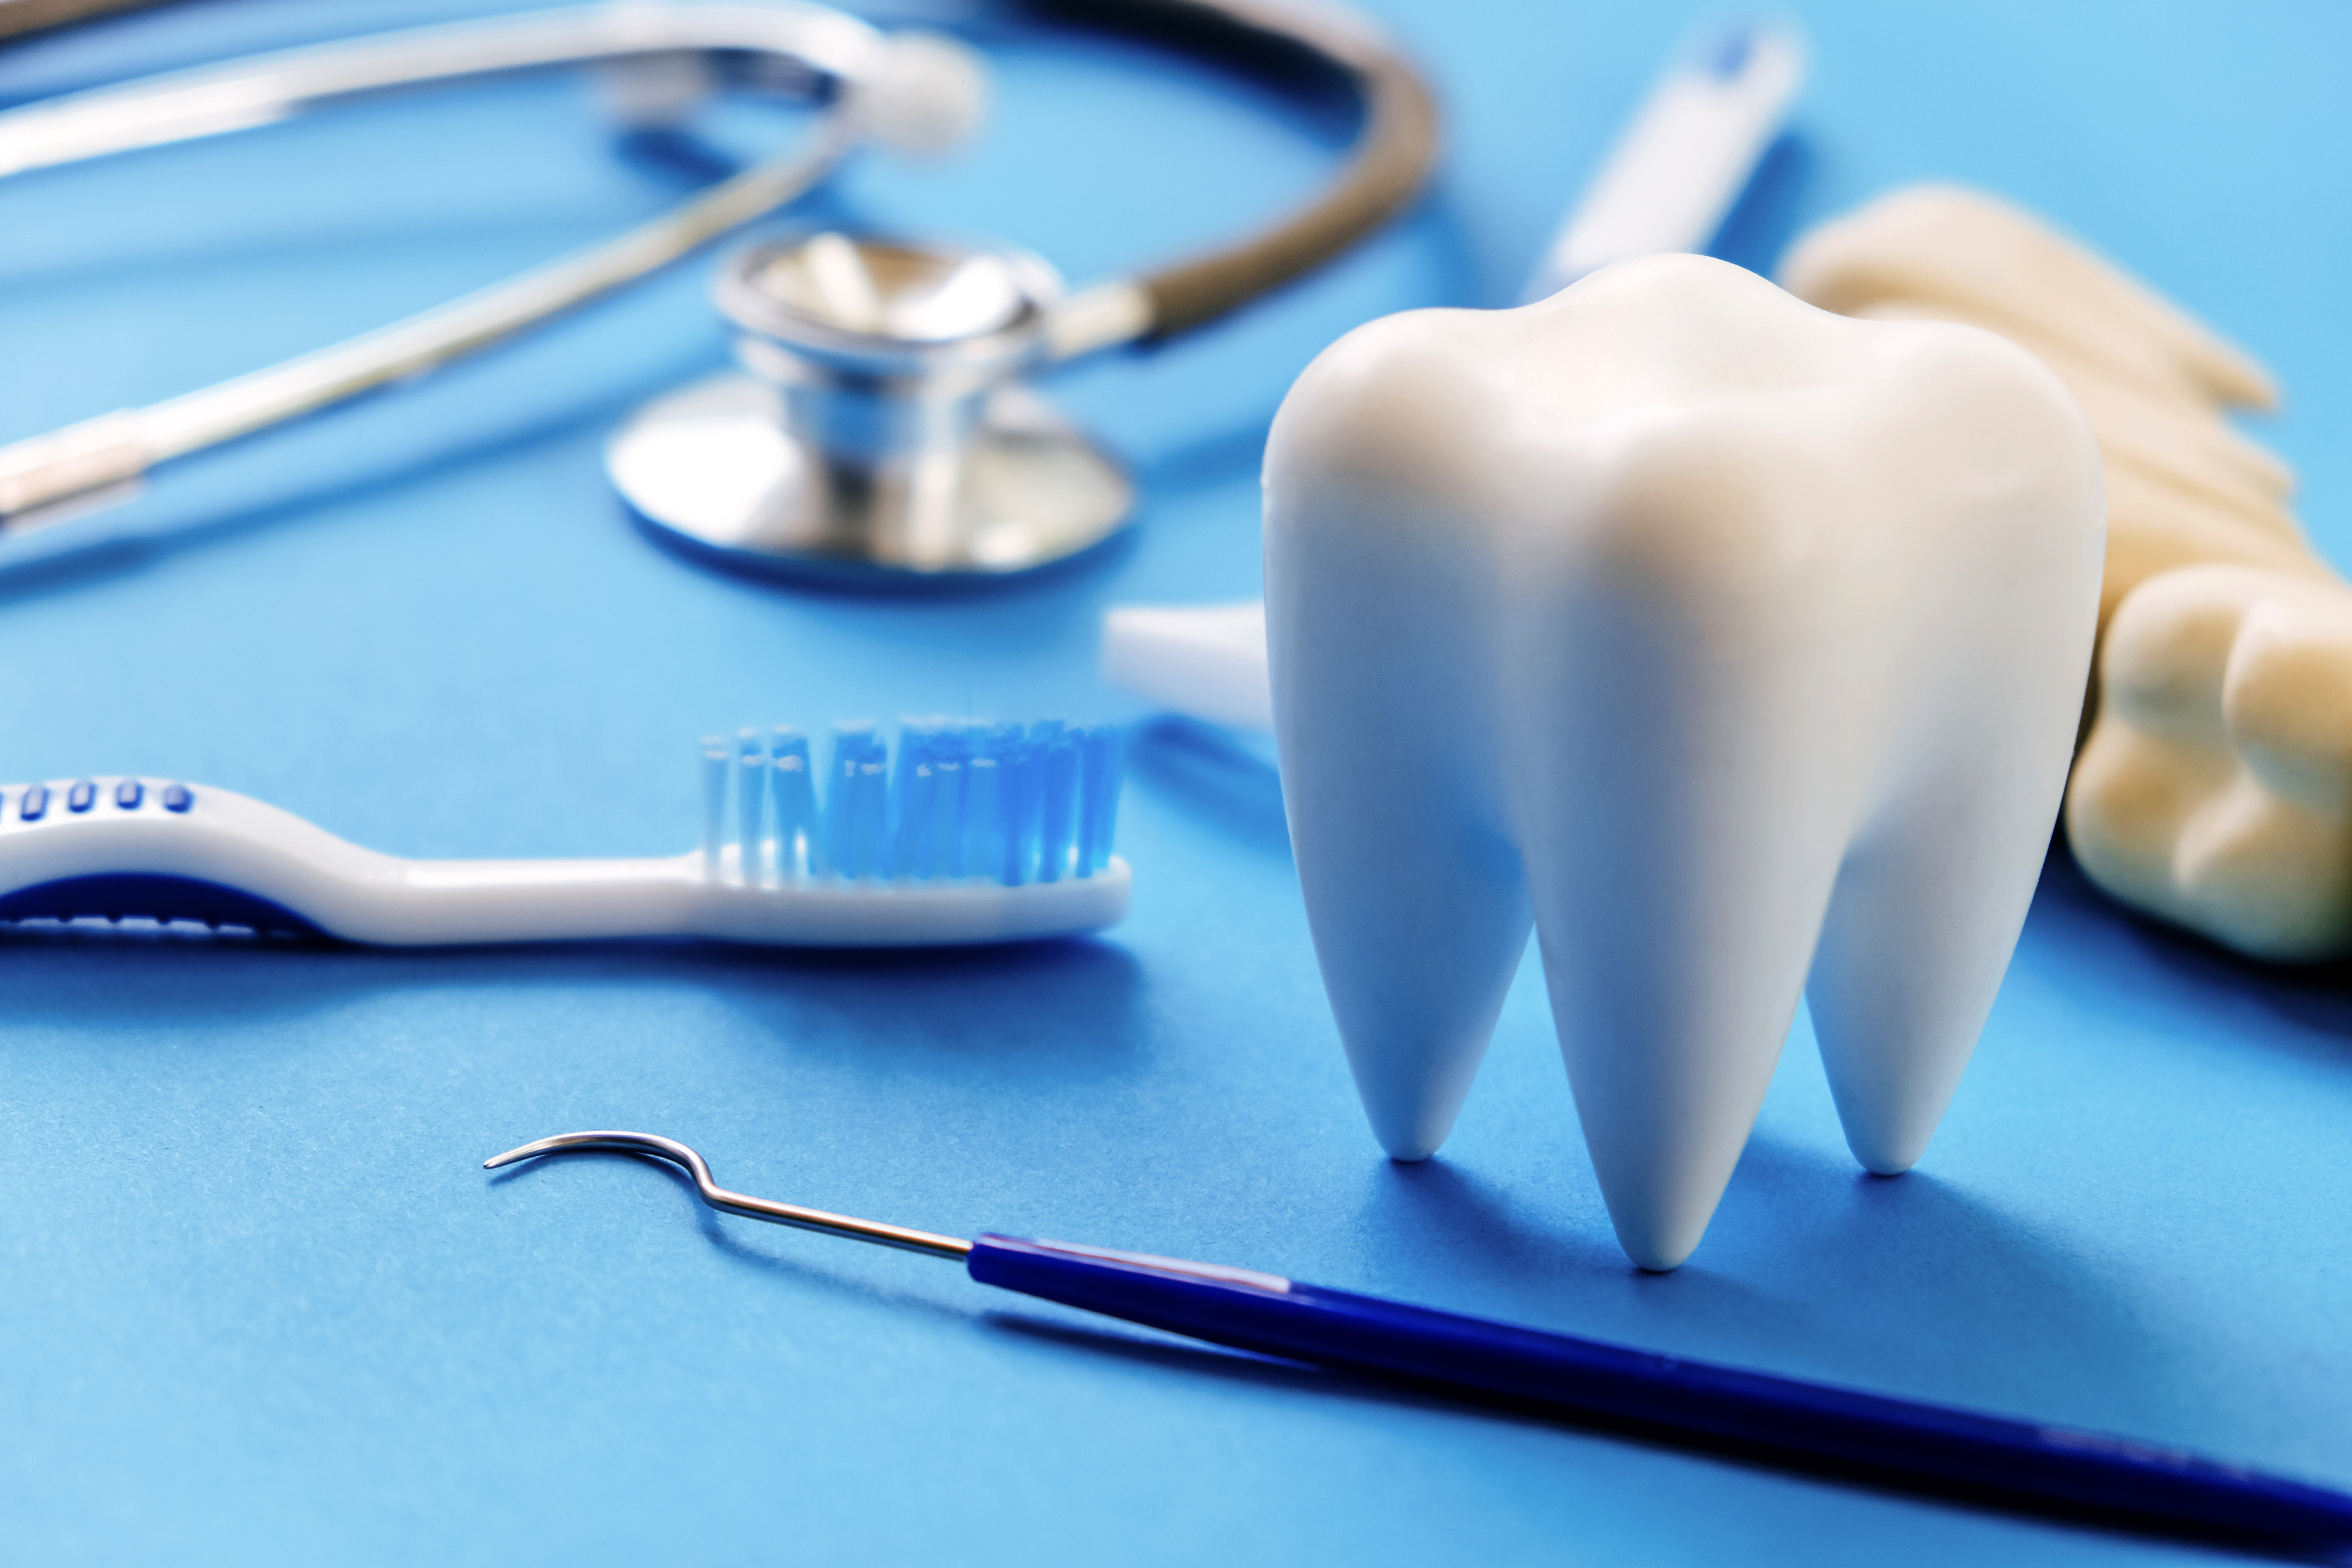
676,157
1032,1002
2166,962
1890,1251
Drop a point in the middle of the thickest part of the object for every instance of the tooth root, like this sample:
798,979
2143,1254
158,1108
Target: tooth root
1414,891
1682,833
1935,884
1918,933
1416,981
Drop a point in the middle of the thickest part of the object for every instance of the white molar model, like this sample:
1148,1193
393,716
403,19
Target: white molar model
1735,645
2215,786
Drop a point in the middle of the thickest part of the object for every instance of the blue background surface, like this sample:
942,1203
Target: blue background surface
257,1300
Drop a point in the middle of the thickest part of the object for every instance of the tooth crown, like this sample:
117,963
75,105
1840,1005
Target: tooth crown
1718,638
2184,486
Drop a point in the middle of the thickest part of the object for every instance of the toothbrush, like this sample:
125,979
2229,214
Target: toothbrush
982,833
1900,1439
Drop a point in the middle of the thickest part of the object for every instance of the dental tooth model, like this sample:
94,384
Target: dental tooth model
2215,786
1726,640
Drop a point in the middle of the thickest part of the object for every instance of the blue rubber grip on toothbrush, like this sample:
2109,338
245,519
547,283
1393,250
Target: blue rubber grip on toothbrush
1563,1374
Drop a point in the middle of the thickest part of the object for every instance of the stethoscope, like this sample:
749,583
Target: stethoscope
880,429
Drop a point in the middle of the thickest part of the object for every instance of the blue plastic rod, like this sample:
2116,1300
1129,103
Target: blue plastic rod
1784,1415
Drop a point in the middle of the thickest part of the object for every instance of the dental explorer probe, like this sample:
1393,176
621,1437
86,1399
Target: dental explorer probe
1897,1440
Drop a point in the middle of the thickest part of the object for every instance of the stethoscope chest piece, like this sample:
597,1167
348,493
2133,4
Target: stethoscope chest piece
881,433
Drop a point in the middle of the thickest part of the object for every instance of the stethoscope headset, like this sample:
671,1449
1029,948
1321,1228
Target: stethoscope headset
879,431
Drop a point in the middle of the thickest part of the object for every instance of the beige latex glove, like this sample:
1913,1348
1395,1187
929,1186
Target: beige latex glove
2214,788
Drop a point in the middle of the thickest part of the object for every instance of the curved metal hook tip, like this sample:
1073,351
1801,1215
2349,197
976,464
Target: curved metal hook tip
630,1143
727,1202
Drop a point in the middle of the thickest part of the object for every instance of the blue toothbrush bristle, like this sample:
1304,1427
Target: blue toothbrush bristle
1017,810
751,803
855,802
799,829
960,800
1058,799
912,789
943,837
714,802
1098,775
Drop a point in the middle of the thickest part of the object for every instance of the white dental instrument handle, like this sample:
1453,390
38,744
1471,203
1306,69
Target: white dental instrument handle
1204,662
1674,174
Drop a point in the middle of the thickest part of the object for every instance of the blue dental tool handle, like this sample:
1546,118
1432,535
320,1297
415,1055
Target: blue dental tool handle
1560,1373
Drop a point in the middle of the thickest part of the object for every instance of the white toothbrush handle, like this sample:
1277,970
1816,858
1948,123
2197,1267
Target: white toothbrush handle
234,842
542,901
